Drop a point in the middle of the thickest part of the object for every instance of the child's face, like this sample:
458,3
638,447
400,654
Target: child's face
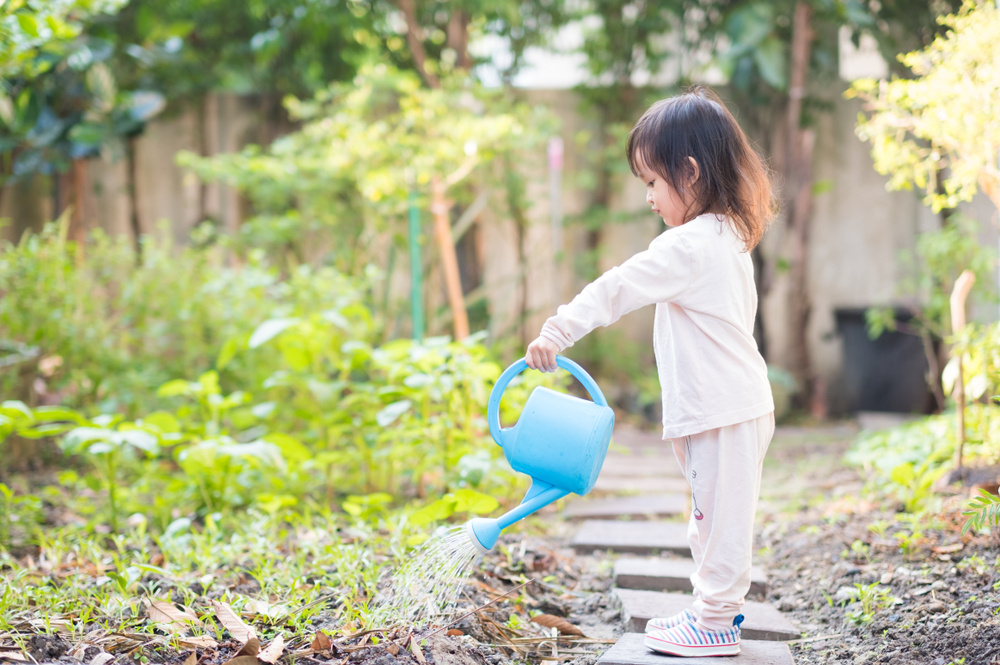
663,198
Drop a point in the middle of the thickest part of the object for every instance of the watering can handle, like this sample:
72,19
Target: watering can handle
493,409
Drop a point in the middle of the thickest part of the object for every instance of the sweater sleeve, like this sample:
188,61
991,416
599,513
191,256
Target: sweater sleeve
660,274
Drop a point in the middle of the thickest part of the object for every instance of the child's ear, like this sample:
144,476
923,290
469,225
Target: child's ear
694,170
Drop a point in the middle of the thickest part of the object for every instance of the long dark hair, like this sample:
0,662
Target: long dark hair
733,179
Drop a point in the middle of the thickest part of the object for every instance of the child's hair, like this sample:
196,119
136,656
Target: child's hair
733,180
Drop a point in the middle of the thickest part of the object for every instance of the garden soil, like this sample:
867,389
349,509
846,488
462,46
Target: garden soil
826,544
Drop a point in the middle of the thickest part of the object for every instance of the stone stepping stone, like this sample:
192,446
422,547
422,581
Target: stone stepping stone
632,537
638,465
655,574
763,621
630,650
632,507
642,484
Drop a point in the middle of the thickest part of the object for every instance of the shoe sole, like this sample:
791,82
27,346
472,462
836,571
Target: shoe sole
672,649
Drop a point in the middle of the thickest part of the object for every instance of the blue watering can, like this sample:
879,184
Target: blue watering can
560,441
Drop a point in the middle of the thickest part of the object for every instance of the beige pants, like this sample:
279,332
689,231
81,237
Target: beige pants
723,467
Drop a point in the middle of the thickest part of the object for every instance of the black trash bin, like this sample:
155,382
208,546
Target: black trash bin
884,374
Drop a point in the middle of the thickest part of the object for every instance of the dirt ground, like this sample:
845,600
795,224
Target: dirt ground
821,536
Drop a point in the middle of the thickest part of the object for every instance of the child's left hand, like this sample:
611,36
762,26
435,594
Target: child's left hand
541,355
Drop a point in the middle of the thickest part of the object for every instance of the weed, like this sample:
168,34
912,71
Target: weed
879,527
860,550
974,563
983,510
872,598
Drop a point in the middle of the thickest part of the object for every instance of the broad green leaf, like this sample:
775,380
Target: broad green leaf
389,414
16,406
770,59
291,449
209,382
81,436
268,330
164,421
438,510
28,24
138,438
42,431
58,413
257,450
471,501
174,388
227,353
263,410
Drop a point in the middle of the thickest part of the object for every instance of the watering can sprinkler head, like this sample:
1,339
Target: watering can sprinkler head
483,532
560,441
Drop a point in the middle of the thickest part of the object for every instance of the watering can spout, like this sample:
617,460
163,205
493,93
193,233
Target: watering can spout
484,531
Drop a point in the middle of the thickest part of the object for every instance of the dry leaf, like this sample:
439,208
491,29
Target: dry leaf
454,632
251,648
13,655
242,660
321,642
169,616
273,651
231,620
552,621
192,659
200,642
947,549
104,658
418,653
392,649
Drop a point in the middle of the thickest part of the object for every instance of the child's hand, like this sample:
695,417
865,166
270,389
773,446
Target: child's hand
541,355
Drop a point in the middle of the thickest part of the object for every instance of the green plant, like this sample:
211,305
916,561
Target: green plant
879,527
348,178
860,550
106,441
983,511
913,483
872,598
913,124
974,563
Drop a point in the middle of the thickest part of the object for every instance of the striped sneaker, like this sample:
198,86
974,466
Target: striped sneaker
689,639
654,625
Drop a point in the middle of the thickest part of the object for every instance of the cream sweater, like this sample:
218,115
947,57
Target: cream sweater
701,280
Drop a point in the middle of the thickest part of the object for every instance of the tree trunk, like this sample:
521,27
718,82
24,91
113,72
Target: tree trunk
133,195
415,40
77,232
449,259
458,37
799,202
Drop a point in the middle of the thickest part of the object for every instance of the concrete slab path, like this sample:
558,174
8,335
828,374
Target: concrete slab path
642,484
662,464
632,537
631,507
762,621
657,574
630,650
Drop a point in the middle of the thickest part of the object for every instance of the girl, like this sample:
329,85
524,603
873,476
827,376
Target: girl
713,192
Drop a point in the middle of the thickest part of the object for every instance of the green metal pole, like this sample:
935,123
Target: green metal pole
416,270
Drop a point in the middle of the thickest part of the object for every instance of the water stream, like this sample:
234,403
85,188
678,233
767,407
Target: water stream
429,583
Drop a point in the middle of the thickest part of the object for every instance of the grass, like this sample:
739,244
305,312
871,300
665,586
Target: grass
291,573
